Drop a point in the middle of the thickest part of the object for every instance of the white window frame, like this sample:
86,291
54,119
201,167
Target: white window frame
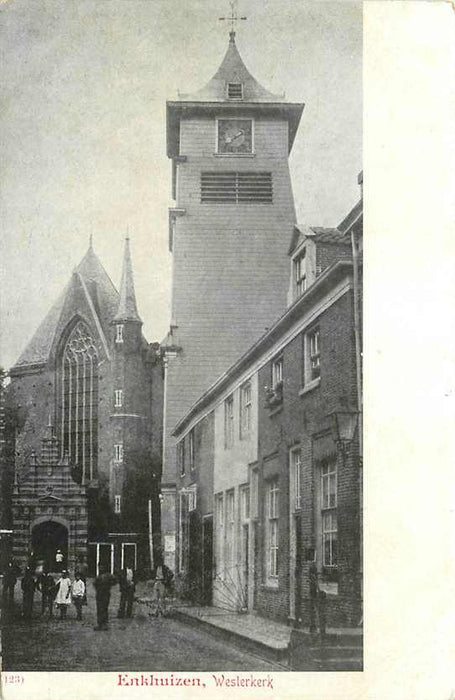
277,372
191,449
219,534
273,494
128,544
192,498
296,477
245,503
117,504
118,453
246,409
254,493
229,421
180,448
328,509
312,357
119,332
300,273
229,554
183,529
118,398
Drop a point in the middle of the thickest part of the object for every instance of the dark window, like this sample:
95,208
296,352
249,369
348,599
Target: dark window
236,188
181,456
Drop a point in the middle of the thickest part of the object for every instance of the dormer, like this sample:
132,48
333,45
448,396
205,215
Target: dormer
312,250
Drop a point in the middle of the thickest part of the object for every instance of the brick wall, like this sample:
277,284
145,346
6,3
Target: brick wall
296,422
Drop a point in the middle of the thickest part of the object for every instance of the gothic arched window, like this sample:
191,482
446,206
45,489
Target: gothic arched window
79,401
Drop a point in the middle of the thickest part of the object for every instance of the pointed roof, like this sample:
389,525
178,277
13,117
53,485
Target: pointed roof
102,298
214,97
232,70
127,308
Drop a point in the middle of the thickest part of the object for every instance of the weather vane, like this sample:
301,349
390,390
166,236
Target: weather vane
233,18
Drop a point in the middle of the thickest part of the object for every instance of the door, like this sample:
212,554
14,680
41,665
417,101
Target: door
129,555
245,565
104,556
47,538
207,559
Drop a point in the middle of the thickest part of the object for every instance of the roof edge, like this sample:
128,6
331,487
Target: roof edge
337,267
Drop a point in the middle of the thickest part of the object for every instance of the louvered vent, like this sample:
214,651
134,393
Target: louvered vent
237,188
235,91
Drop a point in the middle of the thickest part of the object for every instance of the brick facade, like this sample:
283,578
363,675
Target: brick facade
99,493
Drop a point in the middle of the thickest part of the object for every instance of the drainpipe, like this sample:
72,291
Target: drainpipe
358,363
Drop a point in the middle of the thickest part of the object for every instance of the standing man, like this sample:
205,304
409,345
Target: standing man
48,589
127,581
9,583
28,590
103,583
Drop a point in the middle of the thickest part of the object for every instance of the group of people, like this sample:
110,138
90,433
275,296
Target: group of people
62,592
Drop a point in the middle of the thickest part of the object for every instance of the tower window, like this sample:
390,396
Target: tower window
118,398
236,188
118,452
235,91
117,504
119,333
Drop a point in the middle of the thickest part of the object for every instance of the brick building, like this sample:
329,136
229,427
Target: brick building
229,232
287,444
87,394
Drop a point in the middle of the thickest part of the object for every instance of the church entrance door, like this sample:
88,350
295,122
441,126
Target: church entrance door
47,537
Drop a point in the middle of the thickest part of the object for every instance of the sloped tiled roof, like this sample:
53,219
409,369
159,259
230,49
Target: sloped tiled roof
232,70
103,296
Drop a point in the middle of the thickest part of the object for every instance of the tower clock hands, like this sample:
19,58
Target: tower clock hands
230,139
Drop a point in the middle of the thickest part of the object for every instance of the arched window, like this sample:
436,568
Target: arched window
79,401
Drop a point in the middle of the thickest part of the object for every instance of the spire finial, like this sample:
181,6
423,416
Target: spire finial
127,309
90,241
127,237
232,18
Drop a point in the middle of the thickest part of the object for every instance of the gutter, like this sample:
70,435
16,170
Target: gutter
338,268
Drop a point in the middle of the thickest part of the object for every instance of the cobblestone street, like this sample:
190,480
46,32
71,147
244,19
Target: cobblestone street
141,643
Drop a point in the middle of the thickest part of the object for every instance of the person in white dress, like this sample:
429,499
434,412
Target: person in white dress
63,597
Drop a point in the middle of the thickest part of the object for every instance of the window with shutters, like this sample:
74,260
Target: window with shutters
235,91
236,188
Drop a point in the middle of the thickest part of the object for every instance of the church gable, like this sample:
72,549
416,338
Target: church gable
90,295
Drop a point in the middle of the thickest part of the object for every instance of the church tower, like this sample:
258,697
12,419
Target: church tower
229,233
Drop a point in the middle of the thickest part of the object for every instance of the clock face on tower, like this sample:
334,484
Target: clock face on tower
235,136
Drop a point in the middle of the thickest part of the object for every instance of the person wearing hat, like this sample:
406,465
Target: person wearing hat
63,597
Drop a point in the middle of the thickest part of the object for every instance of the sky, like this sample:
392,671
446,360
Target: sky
82,128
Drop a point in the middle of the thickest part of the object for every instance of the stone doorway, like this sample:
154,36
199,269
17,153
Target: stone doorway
47,538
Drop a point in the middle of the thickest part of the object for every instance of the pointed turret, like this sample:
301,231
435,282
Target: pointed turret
232,71
127,309
232,87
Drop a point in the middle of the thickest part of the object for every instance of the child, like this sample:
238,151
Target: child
78,594
63,598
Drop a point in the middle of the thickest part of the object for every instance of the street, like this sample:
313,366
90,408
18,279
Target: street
140,643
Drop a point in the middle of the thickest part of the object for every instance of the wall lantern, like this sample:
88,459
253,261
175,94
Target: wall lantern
345,424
